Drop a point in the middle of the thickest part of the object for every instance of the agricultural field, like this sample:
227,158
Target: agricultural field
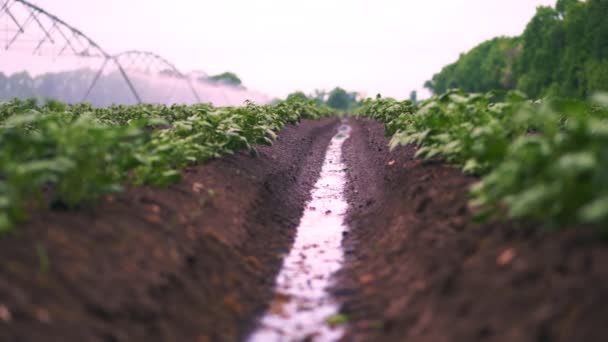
170,223
543,160
68,155
140,201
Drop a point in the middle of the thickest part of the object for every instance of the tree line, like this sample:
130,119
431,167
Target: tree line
562,52
111,88
337,98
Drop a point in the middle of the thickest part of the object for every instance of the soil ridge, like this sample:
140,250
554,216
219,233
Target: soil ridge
192,262
419,269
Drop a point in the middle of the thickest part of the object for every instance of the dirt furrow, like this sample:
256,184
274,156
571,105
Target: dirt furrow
418,269
192,262
198,260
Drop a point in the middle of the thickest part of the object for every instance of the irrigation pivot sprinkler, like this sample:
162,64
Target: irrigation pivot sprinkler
145,60
25,19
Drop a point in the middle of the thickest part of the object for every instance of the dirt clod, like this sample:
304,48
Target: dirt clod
5,314
505,257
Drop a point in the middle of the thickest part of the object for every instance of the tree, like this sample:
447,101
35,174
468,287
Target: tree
563,6
487,66
340,99
297,95
563,52
542,47
319,96
413,96
227,78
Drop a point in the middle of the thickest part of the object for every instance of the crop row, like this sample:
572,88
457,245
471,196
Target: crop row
68,155
542,160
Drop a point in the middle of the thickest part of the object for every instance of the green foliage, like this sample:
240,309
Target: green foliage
557,176
488,66
413,96
227,78
338,319
541,160
71,154
297,95
468,130
542,42
78,155
319,96
562,52
394,114
340,99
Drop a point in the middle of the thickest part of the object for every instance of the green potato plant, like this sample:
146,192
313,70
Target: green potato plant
71,154
541,160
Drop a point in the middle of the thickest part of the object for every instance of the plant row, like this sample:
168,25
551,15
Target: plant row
68,155
541,160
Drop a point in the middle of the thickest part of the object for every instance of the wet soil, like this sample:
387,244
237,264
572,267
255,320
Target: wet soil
197,261
192,262
302,305
418,269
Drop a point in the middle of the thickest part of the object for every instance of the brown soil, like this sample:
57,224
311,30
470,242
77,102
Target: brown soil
196,261
192,262
418,269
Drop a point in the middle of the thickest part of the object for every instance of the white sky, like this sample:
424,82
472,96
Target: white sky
278,46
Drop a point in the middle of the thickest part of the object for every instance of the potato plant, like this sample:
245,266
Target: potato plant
541,160
71,154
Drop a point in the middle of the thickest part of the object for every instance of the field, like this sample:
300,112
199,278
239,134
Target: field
470,217
215,171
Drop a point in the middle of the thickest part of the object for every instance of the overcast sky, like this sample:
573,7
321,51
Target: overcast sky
278,46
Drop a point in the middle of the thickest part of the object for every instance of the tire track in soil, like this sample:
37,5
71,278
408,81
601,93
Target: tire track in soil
192,262
417,269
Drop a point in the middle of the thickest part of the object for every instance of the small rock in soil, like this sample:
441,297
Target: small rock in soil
154,208
42,315
5,314
197,187
505,257
366,278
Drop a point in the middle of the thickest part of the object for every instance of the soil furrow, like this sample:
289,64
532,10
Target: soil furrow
197,260
418,269
192,262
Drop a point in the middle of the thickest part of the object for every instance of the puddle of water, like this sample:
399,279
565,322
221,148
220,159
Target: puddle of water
302,305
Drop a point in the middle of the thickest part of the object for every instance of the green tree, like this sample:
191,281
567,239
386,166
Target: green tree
319,96
341,99
543,42
487,66
413,96
563,51
227,78
297,95
563,6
